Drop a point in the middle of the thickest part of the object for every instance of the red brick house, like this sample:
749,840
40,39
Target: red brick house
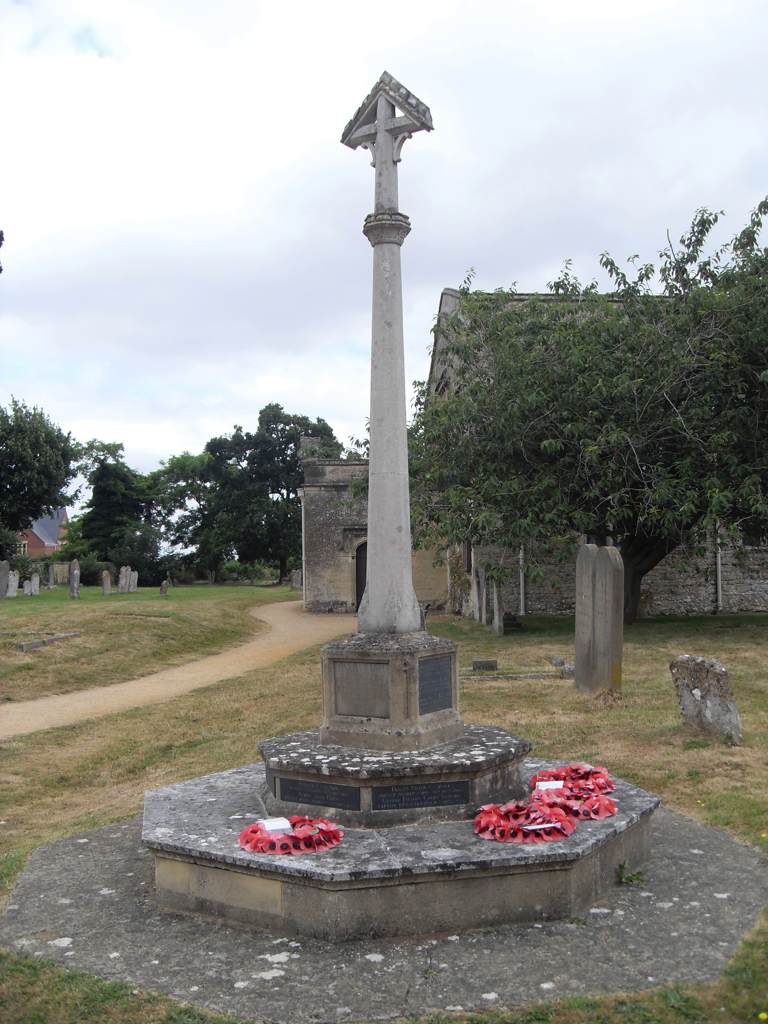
45,536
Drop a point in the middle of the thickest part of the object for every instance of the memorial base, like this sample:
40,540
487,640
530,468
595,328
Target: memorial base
408,880
376,788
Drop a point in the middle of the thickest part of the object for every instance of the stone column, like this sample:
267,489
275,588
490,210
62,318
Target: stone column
389,604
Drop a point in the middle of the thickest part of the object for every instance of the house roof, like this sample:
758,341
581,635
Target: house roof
47,528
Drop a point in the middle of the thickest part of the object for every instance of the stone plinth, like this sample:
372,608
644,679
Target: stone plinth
376,788
408,880
390,691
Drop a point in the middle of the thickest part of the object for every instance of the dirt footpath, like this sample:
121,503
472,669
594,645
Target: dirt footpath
290,629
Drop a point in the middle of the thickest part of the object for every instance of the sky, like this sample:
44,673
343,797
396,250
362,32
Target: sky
182,227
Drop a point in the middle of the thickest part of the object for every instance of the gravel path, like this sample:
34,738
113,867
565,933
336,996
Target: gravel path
290,629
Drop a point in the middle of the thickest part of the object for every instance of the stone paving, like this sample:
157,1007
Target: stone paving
87,902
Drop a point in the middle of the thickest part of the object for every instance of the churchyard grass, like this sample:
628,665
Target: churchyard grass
123,636
64,781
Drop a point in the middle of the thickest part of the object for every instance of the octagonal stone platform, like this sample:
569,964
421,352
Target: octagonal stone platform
405,880
377,788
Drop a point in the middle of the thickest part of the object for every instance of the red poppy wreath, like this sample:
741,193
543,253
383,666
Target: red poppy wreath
306,835
560,797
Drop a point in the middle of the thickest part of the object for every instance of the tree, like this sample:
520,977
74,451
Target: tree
637,416
240,495
36,464
120,500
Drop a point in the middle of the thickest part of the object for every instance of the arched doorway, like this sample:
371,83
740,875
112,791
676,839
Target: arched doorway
361,568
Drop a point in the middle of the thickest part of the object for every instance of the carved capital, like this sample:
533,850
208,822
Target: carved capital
387,226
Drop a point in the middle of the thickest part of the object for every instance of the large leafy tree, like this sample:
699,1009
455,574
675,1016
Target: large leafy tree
37,462
635,415
120,500
240,495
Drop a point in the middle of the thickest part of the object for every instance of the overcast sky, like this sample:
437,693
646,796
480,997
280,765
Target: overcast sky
183,227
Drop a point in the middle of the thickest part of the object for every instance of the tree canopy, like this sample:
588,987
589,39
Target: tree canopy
240,495
636,415
37,462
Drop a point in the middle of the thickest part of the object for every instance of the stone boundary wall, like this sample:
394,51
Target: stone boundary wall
684,583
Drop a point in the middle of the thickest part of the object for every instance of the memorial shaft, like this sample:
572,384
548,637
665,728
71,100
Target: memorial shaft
389,604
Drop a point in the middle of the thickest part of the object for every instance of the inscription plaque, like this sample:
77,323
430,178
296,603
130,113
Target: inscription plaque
424,794
362,688
435,684
324,794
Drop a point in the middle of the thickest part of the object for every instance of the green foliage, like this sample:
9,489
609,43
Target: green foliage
239,497
626,877
36,464
120,501
634,415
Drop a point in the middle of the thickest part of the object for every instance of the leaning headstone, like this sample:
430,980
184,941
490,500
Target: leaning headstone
599,618
5,568
51,576
164,588
705,696
34,583
26,586
106,583
133,581
13,584
74,579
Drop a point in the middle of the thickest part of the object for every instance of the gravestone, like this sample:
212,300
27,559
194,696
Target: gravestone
74,579
599,618
498,608
133,581
4,570
164,588
296,583
13,584
705,696
35,584
51,576
106,583
122,582
26,587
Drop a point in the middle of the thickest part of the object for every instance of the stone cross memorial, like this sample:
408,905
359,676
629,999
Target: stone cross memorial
392,688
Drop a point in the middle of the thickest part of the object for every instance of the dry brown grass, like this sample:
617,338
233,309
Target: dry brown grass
121,637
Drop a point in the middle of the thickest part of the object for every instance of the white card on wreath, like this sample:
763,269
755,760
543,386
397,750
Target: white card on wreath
275,824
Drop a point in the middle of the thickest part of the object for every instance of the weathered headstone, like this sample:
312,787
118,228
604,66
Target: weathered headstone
26,587
705,696
599,618
106,583
498,608
133,581
4,570
74,579
51,576
296,579
164,588
122,581
34,584
13,584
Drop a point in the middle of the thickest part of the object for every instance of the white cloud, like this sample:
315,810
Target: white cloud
183,229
